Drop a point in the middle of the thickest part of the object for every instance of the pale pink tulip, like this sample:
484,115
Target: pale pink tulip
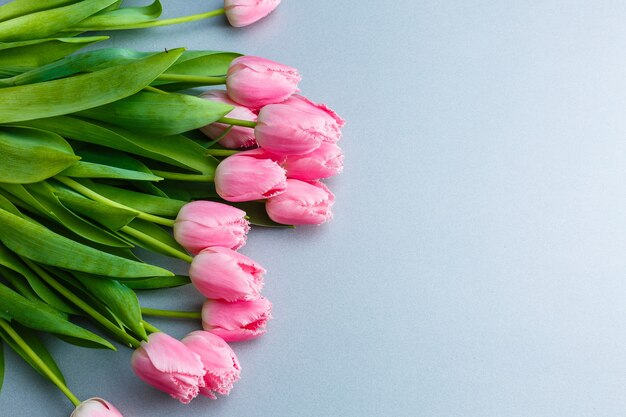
304,103
324,162
255,82
249,176
219,361
238,137
201,224
170,366
96,407
236,321
224,274
284,129
302,203
245,12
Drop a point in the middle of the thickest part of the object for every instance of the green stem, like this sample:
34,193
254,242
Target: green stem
183,177
151,24
237,122
82,305
171,314
39,362
154,90
157,243
219,152
87,192
150,328
192,79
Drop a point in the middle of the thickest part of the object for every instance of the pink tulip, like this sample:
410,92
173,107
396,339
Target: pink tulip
255,82
201,224
238,137
224,274
96,407
302,203
219,361
248,176
245,12
324,162
170,366
304,103
284,129
236,321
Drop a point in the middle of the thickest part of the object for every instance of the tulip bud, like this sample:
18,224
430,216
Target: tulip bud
248,176
219,361
201,224
255,82
236,321
238,137
324,162
170,366
245,12
96,407
302,203
285,129
304,103
222,273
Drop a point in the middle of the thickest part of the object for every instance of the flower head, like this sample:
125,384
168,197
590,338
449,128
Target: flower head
254,82
302,203
326,161
236,321
96,407
224,274
170,366
248,176
238,137
219,361
201,224
245,12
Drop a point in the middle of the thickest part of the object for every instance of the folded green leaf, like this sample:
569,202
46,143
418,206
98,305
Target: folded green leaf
81,92
30,155
175,150
49,22
197,63
17,8
39,244
121,300
27,313
90,170
34,53
159,114
121,17
155,283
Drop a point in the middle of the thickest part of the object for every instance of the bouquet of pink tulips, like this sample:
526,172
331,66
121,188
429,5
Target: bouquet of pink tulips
101,153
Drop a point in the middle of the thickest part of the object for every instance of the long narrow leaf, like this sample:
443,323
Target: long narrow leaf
120,17
30,54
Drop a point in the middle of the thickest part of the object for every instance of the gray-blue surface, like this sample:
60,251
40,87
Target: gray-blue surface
476,263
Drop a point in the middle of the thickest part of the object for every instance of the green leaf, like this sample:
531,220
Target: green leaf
159,114
175,150
139,201
154,283
156,232
27,313
29,54
90,170
197,63
257,214
49,22
30,155
81,92
121,17
121,300
113,218
39,244
21,7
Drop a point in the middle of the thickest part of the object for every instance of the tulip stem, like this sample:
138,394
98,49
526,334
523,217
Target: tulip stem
150,24
87,192
41,365
183,177
192,79
156,243
237,122
221,152
171,314
150,328
80,303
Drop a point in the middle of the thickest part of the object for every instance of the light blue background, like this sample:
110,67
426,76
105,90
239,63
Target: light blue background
476,264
